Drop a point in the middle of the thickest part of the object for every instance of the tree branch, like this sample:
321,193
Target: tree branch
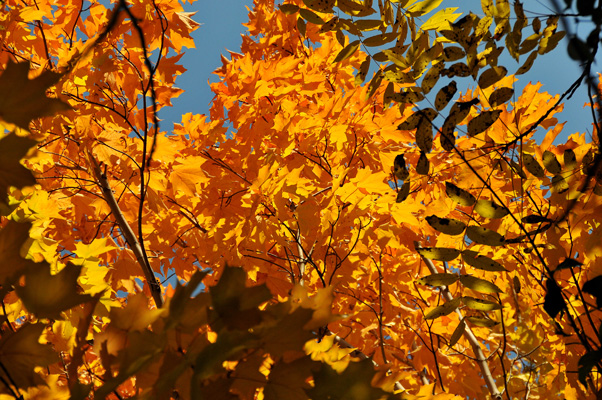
127,231
469,335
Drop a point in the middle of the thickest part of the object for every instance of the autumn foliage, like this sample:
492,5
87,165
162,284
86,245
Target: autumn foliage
365,213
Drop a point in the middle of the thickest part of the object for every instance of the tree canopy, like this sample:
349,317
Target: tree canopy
365,213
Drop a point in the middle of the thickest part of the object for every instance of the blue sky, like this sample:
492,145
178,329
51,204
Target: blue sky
222,26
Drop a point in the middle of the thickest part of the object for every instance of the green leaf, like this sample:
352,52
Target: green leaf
446,225
12,238
310,16
424,135
438,279
484,236
438,253
479,285
553,301
347,51
403,193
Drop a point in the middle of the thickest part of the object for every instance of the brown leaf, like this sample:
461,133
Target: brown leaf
24,99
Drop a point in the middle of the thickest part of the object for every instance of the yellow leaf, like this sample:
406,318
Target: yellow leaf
441,19
443,309
489,209
477,261
97,247
480,285
438,253
438,279
423,7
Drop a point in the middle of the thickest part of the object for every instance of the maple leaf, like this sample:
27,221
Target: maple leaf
12,237
25,99
355,383
12,149
21,352
47,295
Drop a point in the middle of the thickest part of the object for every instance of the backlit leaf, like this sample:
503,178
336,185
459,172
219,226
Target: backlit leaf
458,332
25,99
532,165
47,295
479,285
347,51
21,352
500,96
442,310
486,236
483,322
424,135
482,122
489,209
551,163
446,225
438,279
445,95
478,261
399,167
422,167
458,195
438,253
480,304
